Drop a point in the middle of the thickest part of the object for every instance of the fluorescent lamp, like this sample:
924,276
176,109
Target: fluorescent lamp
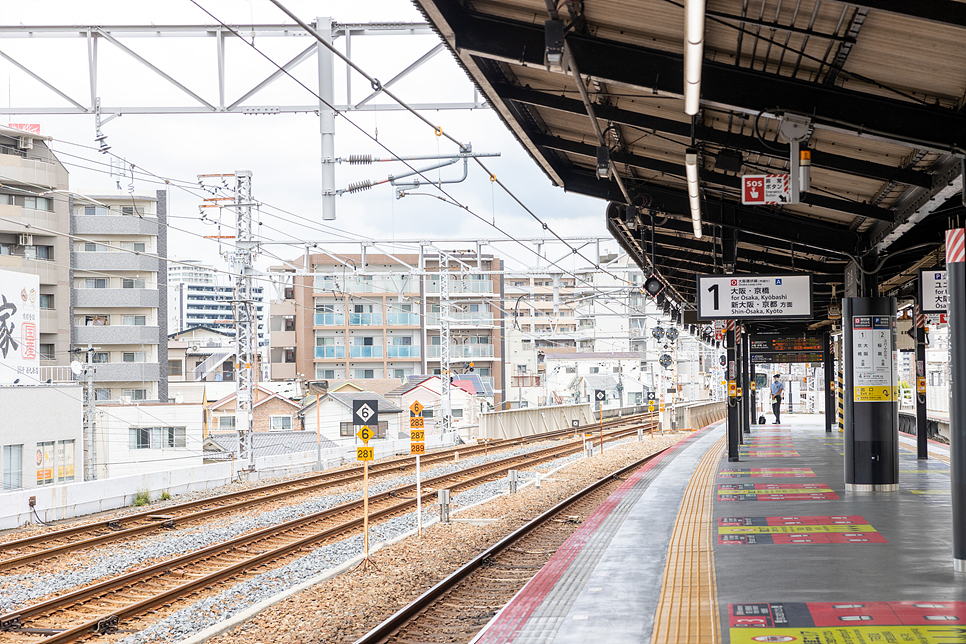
694,190
693,54
692,94
694,19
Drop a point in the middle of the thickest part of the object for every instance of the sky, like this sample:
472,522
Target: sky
282,151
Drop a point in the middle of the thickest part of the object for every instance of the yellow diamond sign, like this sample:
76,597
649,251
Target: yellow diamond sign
416,408
364,433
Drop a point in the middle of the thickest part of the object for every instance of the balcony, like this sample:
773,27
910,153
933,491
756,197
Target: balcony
329,319
107,261
463,319
283,339
116,297
117,334
365,352
114,225
462,287
127,372
365,319
459,351
283,371
403,351
402,319
331,351
16,169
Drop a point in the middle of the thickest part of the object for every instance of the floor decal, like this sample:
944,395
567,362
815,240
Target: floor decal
767,472
775,492
801,530
922,622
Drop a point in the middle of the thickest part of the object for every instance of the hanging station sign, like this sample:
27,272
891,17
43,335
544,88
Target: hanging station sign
755,297
933,291
785,350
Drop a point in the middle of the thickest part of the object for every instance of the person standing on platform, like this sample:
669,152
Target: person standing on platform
777,388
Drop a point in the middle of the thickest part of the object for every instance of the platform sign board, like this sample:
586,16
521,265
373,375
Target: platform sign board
872,358
933,291
755,297
785,358
764,189
365,412
19,327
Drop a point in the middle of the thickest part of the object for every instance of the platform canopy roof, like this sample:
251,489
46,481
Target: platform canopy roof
883,84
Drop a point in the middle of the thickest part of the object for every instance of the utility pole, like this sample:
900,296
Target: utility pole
245,323
89,410
444,339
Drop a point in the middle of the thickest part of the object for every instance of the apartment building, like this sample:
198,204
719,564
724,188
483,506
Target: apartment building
33,196
366,318
120,296
199,295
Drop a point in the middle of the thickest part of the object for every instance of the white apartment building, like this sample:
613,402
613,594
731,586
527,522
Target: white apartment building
199,295
119,293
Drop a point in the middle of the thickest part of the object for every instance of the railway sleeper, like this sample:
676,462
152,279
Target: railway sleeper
10,623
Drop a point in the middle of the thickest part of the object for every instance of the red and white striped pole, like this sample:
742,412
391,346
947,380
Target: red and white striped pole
956,276
922,445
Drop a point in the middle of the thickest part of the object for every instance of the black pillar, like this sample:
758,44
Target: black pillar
828,364
871,394
740,363
922,446
956,278
749,374
753,386
734,431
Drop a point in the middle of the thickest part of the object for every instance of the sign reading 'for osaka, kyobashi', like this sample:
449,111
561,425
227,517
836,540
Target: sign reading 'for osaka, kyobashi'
745,297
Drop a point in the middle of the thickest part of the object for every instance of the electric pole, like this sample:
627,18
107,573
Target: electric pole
444,339
245,323
91,463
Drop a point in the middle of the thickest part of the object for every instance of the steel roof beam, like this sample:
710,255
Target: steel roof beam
820,159
724,86
944,12
708,176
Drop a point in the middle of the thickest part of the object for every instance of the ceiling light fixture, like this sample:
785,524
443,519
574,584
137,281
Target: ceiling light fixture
694,190
693,54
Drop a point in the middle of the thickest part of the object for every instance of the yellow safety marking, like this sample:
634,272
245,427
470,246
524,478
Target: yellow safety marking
935,455
930,491
792,529
687,612
809,490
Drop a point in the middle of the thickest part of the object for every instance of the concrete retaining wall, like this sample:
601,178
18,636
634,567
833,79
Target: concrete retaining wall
515,423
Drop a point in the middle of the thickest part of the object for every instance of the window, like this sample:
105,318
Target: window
365,373
521,368
617,369
174,368
45,253
127,210
46,351
132,283
427,413
6,200
457,413
12,467
136,394
96,282
46,301
135,246
96,210
100,357
133,356
324,374
226,423
401,373
635,398
102,394
45,463
280,423
347,430
65,461
156,437
133,320
37,203
95,320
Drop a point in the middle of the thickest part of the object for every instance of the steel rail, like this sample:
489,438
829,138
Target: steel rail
285,489
107,623
394,623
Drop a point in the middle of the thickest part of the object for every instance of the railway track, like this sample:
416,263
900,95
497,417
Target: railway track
459,606
103,607
40,547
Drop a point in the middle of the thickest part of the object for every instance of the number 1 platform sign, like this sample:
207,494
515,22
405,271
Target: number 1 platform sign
755,297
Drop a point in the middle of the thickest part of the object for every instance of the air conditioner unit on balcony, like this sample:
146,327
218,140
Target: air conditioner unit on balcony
194,348
26,240
25,143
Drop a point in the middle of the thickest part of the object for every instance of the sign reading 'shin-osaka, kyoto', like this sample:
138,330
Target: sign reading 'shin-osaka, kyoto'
745,297
19,327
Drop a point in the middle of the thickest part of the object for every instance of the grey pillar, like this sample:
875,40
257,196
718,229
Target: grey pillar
734,430
748,408
922,446
956,275
871,394
828,364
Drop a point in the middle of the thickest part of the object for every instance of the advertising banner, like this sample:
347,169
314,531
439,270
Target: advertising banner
19,327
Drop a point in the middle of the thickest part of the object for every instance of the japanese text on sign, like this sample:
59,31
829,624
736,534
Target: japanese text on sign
933,291
872,358
754,296
764,189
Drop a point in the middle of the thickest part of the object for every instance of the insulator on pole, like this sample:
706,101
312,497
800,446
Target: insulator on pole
359,186
360,159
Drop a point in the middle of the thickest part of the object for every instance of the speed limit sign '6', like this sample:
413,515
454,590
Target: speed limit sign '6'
364,434
600,395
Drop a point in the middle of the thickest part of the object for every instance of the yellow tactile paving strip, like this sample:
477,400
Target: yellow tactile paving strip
687,612
935,455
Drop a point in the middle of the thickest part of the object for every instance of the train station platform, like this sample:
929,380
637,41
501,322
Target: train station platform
694,548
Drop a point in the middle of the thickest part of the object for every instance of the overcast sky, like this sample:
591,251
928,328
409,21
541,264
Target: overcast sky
282,151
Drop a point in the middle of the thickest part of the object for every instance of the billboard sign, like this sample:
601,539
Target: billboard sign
933,291
755,297
19,327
